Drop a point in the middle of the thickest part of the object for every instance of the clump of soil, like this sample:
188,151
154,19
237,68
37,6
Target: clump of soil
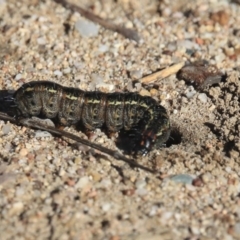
226,98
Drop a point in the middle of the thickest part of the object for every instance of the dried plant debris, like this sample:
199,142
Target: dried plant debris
126,32
35,123
200,74
166,72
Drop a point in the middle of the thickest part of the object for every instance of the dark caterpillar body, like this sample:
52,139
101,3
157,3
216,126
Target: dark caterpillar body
144,121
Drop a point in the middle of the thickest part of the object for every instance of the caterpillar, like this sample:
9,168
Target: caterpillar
145,123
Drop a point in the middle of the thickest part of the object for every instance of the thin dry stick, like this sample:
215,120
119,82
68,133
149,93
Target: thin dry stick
126,32
31,123
162,73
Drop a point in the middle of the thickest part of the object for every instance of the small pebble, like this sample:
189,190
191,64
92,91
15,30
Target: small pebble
195,230
106,183
228,169
197,182
6,129
96,79
187,44
16,208
175,111
190,92
103,48
140,184
106,206
83,181
23,152
154,92
58,73
86,28
153,211
172,46
182,178
135,74
40,134
202,97
166,215
206,177
20,191
18,76
237,228
41,41
141,192
66,70
128,192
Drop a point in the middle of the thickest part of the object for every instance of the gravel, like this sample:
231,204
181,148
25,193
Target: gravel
202,97
51,188
182,178
86,28
6,129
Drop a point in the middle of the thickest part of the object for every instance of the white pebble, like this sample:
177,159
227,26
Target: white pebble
190,92
175,111
106,206
86,28
106,183
6,129
153,211
20,191
57,73
188,44
79,65
96,79
66,70
182,178
103,48
8,146
40,134
219,57
41,41
136,74
195,230
166,216
140,184
202,97
228,169
82,182
171,46
141,191
18,76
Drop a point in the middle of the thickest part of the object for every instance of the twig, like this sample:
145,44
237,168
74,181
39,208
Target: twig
162,73
126,32
31,123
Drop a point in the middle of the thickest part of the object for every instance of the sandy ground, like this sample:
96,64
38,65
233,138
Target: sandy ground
51,189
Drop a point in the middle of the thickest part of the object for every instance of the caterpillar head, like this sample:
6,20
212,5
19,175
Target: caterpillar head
152,139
